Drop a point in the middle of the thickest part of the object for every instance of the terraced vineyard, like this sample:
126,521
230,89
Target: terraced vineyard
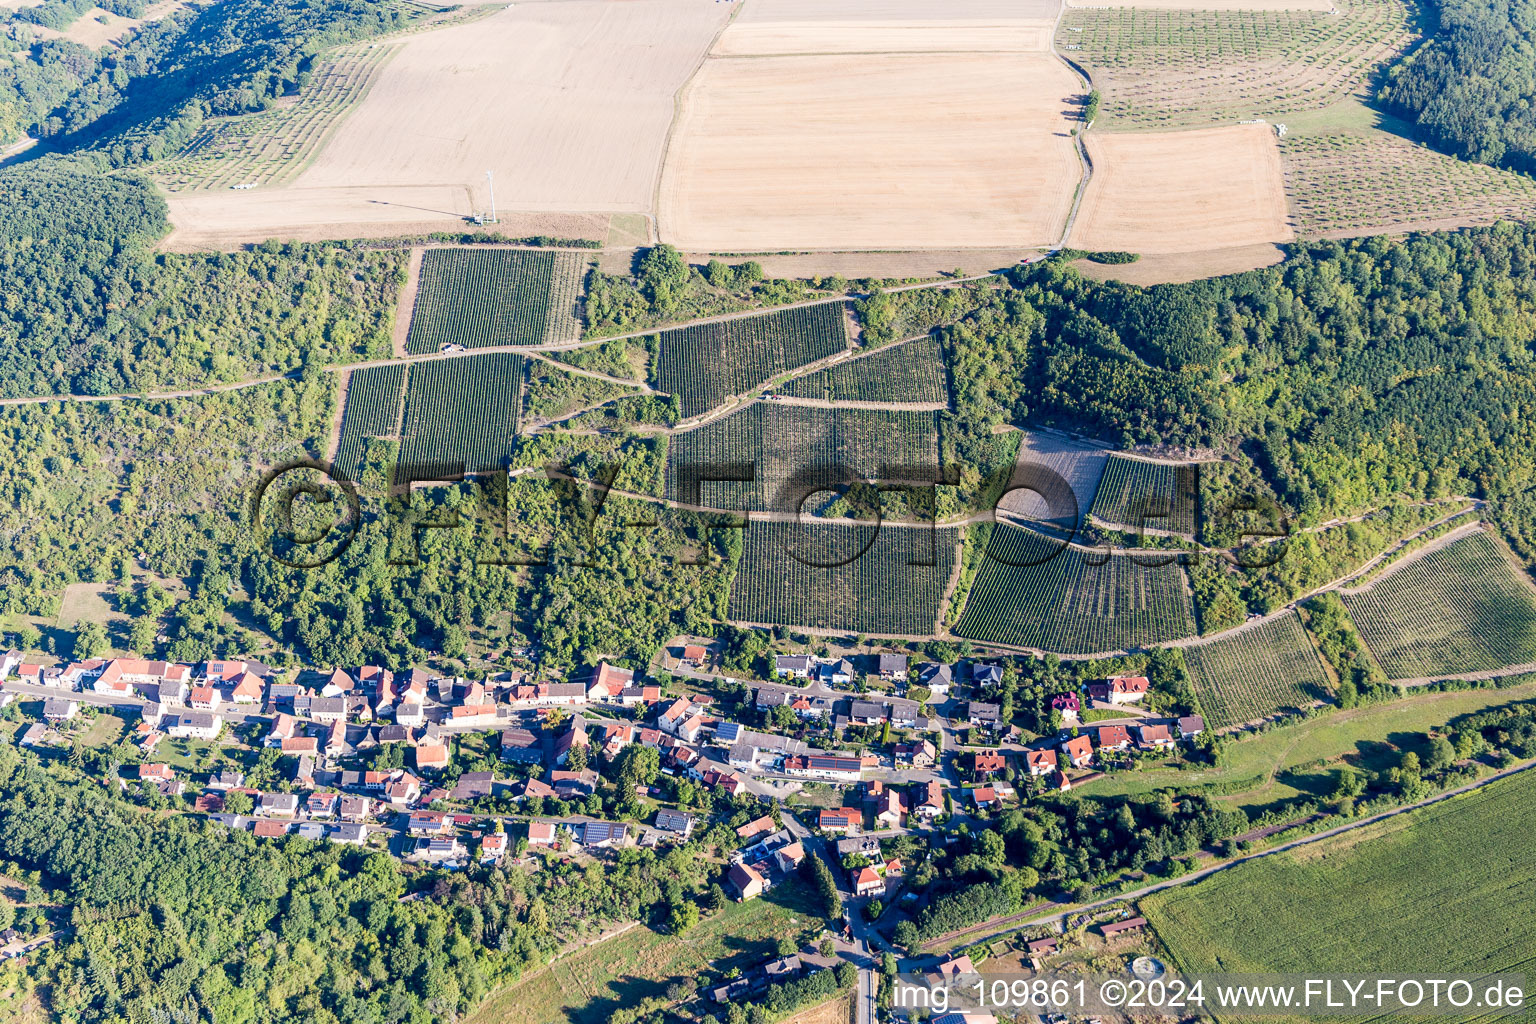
462,411
1157,495
1254,673
1033,593
913,372
481,297
706,363
374,395
1181,68
878,591
1462,608
1365,183
785,443
272,147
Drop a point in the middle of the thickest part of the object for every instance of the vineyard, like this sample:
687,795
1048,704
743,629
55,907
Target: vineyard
462,411
1031,592
271,147
480,298
1156,495
913,373
374,394
878,591
1462,608
1182,68
1044,459
707,363
1256,672
1354,183
785,443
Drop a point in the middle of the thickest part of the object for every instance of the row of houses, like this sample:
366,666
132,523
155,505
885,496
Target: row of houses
1080,749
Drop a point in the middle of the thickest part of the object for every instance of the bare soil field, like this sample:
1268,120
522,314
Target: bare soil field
568,103
778,27
871,151
1347,184
1177,268
1186,191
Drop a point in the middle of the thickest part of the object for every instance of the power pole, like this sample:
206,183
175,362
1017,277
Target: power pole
491,182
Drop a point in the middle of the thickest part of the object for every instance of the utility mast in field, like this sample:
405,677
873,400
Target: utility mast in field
491,182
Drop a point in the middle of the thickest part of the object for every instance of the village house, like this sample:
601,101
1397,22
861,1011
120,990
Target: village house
278,805
1191,726
1040,762
410,714
248,689
349,834
1157,737
930,799
747,882
985,764
196,725
793,666
607,683
890,808
829,768
226,780
522,746
922,754
866,713
354,808
867,882
674,821
574,785
321,804
575,736
474,786
428,823
493,848
1079,751
985,675
1113,737
760,826
58,709
431,755
541,833
983,716
402,790
937,678
788,858
891,667
673,716
204,698
842,820
1069,704
838,672
603,834
473,715
694,654
1120,689
298,745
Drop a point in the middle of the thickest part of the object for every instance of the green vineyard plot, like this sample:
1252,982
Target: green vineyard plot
1462,608
786,577
1032,592
913,372
479,298
1254,673
1155,495
786,443
707,363
462,411
374,396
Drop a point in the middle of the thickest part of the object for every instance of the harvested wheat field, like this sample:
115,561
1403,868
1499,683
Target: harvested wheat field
568,103
1188,191
99,27
778,27
871,151
1180,267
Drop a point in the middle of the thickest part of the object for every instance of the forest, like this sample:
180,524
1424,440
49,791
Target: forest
1468,89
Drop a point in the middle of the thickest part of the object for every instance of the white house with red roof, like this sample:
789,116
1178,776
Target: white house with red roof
1120,689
